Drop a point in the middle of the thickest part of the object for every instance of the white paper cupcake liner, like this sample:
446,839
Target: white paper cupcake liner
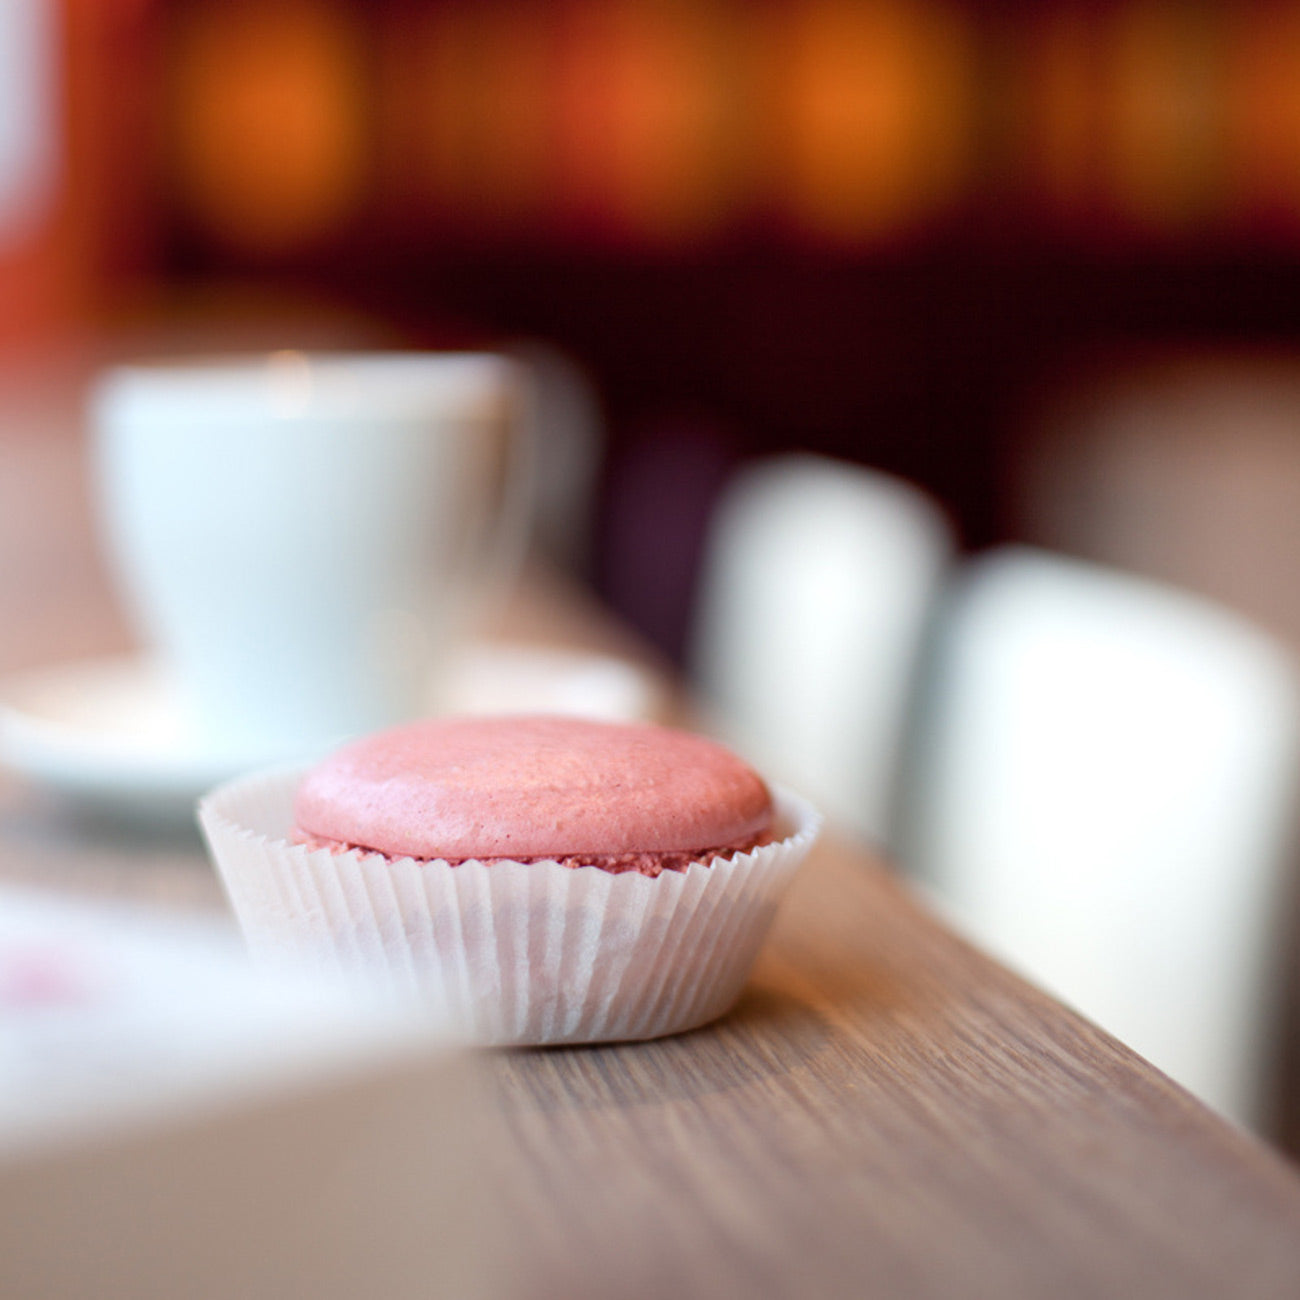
515,953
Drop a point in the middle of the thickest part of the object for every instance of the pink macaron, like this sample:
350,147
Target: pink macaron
616,797
540,880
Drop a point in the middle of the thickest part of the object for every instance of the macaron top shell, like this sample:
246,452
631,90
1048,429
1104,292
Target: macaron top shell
532,787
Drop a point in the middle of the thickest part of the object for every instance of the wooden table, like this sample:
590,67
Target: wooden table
886,1113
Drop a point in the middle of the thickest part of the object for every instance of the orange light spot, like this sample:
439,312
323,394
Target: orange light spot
650,116
871,113
267,109
1164,120
1264,113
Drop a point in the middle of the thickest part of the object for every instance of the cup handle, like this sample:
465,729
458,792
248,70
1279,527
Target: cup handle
505,530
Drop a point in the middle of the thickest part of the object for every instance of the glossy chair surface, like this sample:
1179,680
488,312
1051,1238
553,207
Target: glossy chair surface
819,580
1102,795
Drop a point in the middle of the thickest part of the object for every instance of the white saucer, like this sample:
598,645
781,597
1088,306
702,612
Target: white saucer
111,732
492,676
107,731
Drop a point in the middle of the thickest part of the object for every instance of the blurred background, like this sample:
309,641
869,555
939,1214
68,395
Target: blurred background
873,230
1015,281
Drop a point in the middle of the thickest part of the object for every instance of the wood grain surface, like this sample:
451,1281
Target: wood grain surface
886,1113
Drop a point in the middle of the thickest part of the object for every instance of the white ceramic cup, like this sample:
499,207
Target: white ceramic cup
299,536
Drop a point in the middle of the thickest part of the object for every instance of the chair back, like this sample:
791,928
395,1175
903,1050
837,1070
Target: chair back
1102,796
818,582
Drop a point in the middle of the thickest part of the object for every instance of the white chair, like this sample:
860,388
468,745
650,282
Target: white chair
819,578
1103,798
